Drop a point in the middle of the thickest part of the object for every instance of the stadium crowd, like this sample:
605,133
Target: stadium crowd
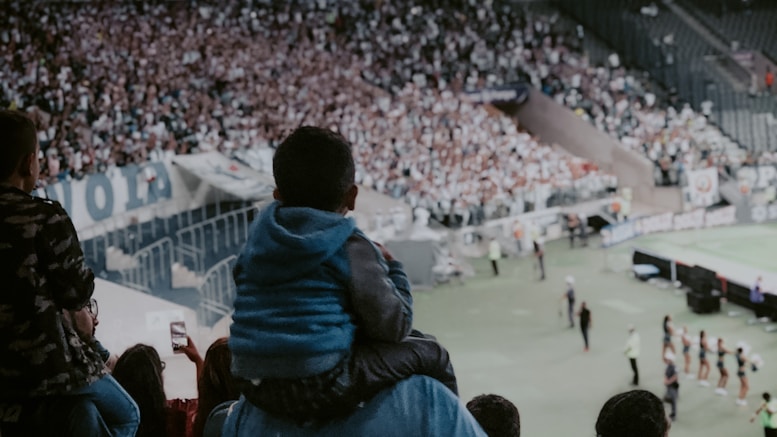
104,99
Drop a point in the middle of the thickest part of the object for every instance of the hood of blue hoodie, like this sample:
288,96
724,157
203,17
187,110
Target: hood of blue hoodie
286,243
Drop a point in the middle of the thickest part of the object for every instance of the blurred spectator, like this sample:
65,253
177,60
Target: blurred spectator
85,322
498,416
215,384
139,371
768,415
635,413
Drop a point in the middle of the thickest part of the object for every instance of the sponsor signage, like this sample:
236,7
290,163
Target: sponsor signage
102,195
666,222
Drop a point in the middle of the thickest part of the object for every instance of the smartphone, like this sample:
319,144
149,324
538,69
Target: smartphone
178,336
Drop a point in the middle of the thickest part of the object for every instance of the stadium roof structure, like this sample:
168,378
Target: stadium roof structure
227,175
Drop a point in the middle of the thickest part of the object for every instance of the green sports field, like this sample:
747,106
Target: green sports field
746,248
506,337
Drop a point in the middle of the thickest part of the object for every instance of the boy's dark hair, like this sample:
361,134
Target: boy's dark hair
498,416
635,413
314,167
17,140
767,397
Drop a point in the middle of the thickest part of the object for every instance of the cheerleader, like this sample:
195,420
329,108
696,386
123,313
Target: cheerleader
744,386
686,339
668,332
704,364
722,351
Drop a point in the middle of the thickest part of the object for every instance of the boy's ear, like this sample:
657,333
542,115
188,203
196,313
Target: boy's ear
277,195
350,197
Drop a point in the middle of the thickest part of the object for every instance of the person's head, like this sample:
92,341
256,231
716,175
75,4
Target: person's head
635,413
18,150
582,304
496,415
632,329
667,318
570,280
720,341
216,383
767,397
702,334
84,320
313,167
139,371
739,351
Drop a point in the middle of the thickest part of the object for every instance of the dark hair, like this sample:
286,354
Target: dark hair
18,138
635,413
314,167
215,384
767,397
498,416
139,371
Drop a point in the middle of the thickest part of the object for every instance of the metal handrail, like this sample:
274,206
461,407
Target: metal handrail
117,229
197,255
236,224
217,292
149,262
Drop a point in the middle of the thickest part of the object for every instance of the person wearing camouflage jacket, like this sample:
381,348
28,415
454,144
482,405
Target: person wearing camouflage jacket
43,273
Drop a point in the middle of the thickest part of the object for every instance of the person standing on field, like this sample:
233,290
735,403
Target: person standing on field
585,322
494,254
632,353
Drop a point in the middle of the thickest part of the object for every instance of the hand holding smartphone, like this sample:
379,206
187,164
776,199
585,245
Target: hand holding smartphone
178,337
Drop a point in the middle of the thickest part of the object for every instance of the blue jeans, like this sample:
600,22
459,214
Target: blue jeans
82,418
102,409
115,410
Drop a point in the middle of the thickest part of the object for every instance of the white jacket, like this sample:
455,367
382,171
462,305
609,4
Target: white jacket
632,345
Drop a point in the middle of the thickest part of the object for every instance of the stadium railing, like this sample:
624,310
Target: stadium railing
217,291
151,267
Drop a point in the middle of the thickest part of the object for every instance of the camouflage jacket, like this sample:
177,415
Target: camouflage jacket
42,272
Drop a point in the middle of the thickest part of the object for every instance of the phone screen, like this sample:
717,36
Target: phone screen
178,336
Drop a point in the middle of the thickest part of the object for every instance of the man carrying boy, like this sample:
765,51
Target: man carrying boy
323,316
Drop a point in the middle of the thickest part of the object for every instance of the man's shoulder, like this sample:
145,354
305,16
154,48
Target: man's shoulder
425,407
19,209
20,203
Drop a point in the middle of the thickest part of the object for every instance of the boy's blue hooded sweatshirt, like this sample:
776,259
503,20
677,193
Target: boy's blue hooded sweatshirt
304,280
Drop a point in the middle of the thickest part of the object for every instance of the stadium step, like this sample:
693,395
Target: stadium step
185,278
116,259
